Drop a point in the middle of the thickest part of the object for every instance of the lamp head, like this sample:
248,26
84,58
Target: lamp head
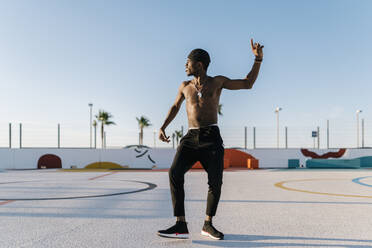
277,109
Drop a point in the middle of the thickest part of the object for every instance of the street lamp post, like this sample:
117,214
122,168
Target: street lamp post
277,125
90,125
254,137
362,133
95,133
10,135
59,136
327,134
20,135
245,137
357,117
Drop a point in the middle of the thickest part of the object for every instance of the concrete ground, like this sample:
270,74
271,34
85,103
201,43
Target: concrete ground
260,208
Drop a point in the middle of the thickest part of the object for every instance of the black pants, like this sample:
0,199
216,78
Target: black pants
204,145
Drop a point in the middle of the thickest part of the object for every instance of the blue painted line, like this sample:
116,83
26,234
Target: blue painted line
358,181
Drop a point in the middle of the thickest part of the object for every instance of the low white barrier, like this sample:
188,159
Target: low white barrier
137,157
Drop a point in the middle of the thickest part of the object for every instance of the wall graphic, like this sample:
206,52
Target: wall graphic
235,158
145,157
49,161
311,154
143,151
104,165
134,156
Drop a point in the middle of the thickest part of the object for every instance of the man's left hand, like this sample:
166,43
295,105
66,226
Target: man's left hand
257,50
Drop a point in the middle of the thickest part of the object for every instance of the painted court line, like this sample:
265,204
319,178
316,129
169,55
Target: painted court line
6,202
281,185
150,186
358,181
93,178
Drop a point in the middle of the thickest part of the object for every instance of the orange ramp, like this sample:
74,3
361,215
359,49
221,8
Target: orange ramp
235,158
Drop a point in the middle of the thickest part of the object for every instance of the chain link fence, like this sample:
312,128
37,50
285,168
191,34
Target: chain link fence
67,135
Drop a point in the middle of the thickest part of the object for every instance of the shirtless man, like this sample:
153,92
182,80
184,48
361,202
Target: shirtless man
203,141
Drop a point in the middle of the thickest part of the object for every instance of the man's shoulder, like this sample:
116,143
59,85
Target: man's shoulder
185,83
220,78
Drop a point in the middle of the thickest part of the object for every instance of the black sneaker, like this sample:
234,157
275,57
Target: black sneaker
178,231
210,231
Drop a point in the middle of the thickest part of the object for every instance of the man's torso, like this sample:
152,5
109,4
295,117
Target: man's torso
202,110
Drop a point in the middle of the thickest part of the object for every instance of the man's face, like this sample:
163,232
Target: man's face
191,67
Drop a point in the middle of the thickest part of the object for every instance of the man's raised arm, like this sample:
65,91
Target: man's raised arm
249,80
172,113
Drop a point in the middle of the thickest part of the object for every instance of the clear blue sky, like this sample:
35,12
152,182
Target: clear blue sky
127,57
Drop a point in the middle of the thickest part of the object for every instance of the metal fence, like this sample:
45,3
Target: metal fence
329,135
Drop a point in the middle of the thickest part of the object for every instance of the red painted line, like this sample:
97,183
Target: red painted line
191,170
6,202
93,178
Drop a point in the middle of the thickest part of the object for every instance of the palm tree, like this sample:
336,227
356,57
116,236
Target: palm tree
142,123
104,117
178,135
220,109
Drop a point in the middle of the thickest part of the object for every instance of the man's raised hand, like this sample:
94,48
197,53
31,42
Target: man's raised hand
257,49
163,137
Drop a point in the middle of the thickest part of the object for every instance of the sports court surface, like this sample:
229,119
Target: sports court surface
258,208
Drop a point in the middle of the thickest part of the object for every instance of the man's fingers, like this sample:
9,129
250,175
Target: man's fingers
161,136
164,137
256,47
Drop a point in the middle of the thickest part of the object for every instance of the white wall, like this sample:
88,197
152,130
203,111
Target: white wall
278,158
27,158
6,158
137,158
357,153
275,158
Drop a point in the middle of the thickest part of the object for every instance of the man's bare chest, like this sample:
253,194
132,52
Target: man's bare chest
205,93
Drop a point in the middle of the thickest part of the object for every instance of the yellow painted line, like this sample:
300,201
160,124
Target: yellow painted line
84,170
281,185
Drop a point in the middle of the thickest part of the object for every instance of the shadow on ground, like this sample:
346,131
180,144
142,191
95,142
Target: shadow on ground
240,240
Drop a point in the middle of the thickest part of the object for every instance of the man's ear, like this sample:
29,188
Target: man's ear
200,65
